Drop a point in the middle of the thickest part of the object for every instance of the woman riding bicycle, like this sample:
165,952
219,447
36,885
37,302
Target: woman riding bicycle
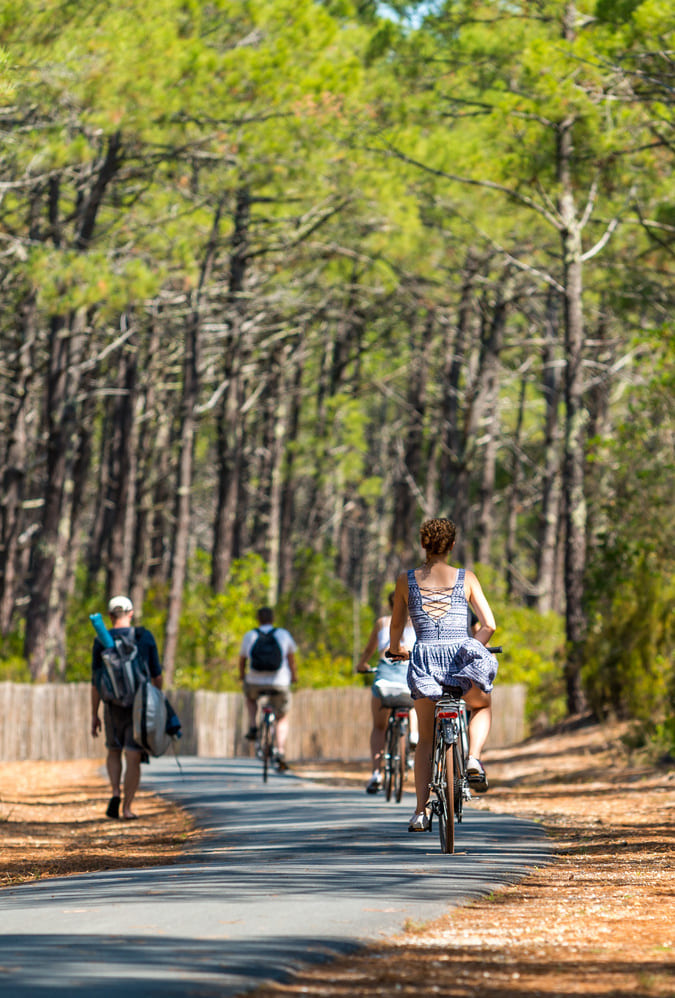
437,598
392,673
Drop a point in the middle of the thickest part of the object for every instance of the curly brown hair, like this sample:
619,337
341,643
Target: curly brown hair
437,536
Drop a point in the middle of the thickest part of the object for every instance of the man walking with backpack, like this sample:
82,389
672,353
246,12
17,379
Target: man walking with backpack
267,667
140,659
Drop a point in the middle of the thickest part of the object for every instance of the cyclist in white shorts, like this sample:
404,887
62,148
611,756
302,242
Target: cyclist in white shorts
392,674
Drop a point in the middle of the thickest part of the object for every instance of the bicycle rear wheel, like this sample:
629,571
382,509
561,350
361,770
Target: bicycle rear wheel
446,798
266,746
389,742
398,761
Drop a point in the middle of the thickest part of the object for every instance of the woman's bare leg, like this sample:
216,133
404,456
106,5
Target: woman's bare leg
480,705
282,734
380,716
425,716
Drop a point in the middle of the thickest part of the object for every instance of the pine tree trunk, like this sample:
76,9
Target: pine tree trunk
575,414
152,422
282,410
513,588
41,641
547,589
122,495
487,418
14,469
409,488
231,425
288,484
230,438
453,500
182,517
188,428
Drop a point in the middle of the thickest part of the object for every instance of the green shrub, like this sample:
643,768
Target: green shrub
533,653
328,624
212,625
628,669
13,666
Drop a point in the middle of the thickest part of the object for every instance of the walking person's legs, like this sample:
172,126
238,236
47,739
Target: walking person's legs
114,766
132,779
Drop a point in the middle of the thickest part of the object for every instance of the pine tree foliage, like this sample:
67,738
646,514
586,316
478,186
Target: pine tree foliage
280,280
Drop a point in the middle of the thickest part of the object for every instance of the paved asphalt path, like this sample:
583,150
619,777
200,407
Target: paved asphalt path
291,872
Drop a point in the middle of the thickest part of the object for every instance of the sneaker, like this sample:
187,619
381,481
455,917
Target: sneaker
251,734
281,764
419,822
374,785
476,775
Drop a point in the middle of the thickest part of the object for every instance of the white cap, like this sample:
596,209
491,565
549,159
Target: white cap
120,604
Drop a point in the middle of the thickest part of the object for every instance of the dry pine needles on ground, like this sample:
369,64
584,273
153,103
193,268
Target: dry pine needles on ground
52,823
598,921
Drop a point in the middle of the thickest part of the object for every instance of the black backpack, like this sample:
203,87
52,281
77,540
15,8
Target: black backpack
266,654
123,671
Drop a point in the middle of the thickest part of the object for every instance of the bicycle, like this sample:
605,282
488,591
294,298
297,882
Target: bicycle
449,781
397,747
265,749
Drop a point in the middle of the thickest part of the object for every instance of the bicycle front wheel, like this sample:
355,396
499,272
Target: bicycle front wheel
458,781
446,798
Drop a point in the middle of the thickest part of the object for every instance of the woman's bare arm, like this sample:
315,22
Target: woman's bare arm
362,665
399,616
476,597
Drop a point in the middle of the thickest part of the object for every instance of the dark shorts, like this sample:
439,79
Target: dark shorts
118,723
279,698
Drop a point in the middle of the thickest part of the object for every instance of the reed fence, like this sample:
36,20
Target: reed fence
53,721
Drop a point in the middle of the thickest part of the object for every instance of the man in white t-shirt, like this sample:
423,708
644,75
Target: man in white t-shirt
267,667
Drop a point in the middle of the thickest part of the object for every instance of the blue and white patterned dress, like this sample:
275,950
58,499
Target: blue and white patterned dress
444,654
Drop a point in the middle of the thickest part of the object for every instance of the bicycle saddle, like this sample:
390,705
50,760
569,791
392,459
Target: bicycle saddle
456,692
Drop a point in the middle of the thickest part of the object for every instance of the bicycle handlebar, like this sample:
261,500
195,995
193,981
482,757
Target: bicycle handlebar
493,649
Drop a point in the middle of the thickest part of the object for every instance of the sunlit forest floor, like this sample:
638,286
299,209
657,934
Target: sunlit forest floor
600,920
